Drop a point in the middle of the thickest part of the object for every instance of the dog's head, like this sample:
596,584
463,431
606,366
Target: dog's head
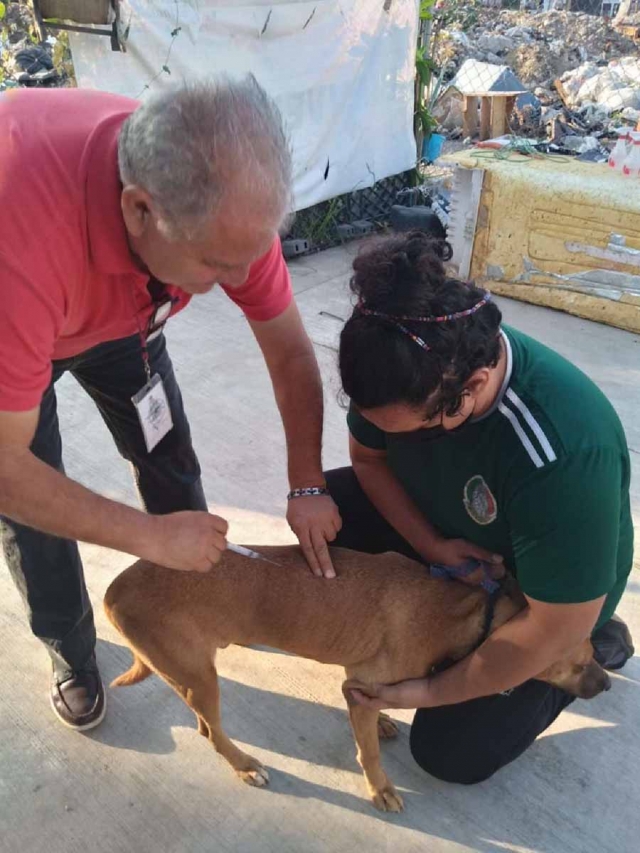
578,673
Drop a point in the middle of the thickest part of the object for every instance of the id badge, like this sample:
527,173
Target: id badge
153,411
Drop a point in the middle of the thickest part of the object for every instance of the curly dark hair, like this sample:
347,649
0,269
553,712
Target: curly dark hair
379,363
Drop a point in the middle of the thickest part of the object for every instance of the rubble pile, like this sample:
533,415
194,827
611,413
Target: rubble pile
583,75
613,88
538,47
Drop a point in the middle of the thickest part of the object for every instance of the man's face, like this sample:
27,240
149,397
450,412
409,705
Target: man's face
224,253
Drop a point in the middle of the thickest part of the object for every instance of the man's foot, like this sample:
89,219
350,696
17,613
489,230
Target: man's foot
78,700
612,643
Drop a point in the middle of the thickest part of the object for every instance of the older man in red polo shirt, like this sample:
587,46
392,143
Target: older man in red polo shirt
114,214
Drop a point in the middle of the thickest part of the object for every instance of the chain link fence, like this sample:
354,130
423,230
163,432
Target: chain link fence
559,70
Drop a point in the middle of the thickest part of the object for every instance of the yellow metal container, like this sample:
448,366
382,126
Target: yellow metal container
552,231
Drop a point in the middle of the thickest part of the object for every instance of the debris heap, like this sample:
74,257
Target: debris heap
582,74
538,47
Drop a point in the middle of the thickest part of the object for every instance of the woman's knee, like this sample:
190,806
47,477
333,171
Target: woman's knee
454,772
444,760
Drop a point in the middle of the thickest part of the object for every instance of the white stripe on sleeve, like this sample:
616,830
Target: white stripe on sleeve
533,423
524,438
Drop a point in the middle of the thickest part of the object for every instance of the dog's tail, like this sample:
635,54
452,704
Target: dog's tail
137,672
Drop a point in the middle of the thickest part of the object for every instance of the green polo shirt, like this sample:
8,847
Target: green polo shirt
542,478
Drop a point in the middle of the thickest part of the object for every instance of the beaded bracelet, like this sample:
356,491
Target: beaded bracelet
312,491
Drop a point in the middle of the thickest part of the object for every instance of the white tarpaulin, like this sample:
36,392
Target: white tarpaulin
341,72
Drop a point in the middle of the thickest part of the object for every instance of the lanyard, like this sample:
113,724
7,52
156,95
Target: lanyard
143,344
164,303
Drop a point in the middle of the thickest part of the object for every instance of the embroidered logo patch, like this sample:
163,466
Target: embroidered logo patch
479,501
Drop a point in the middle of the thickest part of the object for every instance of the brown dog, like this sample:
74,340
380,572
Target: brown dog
384,619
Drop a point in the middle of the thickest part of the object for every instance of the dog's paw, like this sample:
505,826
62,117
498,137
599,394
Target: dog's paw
387,799
387,729
253,773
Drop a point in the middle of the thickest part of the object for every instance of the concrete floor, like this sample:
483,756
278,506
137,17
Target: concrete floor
145,782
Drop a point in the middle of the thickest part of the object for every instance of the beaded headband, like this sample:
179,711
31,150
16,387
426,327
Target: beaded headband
444,318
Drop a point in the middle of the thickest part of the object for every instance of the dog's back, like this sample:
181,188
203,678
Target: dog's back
375,600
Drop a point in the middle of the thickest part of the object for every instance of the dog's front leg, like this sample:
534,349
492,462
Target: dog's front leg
364,723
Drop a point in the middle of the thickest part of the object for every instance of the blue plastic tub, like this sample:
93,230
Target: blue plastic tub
432,147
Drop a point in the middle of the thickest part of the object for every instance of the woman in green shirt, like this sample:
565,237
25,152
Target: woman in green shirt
470,440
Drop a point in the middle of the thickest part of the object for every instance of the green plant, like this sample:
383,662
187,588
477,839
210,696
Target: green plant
428,78
457,14
322,228
436,16
426,9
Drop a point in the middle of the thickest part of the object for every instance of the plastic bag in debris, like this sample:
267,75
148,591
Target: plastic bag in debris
614,87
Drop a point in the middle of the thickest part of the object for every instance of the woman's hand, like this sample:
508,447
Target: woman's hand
456,552
406,694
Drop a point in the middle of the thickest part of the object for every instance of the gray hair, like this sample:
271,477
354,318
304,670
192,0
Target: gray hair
195,142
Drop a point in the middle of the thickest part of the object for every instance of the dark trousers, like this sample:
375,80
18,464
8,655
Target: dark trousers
463,743
47,570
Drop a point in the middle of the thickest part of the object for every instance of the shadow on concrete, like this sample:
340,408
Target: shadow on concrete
143,716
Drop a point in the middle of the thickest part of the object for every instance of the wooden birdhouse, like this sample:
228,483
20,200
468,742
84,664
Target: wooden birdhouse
489,93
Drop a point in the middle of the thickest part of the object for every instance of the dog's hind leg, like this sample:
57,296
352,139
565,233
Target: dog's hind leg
203,728
204,699
364,723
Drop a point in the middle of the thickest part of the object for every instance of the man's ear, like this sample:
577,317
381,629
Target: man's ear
137,210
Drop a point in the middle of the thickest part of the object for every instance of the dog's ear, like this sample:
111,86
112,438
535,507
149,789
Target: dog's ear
578,673
594,680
